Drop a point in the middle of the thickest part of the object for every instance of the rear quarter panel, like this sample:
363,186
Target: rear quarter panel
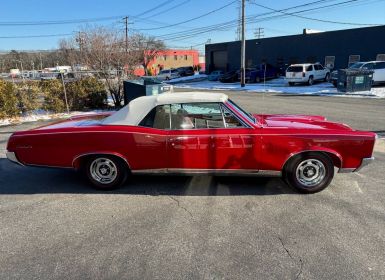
59,147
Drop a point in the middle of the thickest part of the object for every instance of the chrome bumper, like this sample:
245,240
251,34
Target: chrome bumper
365,162
12,157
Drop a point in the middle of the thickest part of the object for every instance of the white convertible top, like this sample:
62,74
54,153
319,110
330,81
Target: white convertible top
137,109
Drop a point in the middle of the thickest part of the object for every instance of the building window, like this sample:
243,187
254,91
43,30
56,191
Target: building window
165,57
329,61
353,59
380,57
175,57
185,57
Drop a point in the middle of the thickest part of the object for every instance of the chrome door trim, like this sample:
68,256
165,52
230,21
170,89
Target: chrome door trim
188,171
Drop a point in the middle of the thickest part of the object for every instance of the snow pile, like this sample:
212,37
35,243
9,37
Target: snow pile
188,79
39,115
280,86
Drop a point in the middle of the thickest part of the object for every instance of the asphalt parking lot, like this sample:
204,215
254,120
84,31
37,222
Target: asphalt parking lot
54,226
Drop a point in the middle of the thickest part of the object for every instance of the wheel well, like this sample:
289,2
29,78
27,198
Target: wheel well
337,162
79,161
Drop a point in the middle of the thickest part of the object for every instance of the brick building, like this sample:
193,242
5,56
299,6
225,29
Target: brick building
168,59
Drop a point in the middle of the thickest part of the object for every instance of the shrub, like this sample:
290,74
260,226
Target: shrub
86,93
53,95
27,96
8,100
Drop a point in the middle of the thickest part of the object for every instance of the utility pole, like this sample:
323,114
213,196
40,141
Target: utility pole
243,46
126,23
259,33
239,27
41,61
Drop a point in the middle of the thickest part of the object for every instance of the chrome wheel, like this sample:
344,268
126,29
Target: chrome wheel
103,170
310,172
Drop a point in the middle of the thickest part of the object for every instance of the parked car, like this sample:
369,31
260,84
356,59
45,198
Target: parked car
260,72
306,73
214,76
186,71
229,77
168,74
378,68
195,133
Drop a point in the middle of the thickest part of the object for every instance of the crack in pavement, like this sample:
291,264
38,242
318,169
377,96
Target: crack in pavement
180,206
288,253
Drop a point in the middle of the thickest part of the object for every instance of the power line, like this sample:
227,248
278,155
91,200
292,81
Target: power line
251,19
167,10
155,8
57,22
36,36
316,19
191,19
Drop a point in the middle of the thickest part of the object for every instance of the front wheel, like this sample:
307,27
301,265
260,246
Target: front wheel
309,172
106,172
327,77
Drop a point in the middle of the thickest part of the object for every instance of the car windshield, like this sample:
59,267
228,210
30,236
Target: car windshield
356,65
242,112
164,72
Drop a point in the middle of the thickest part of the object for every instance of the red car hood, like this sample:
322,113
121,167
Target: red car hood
300,122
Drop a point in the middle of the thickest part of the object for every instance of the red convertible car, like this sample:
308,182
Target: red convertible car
195,133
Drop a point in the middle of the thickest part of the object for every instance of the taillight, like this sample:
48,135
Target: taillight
303,74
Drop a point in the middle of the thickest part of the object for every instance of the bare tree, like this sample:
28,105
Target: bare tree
104,51
148,48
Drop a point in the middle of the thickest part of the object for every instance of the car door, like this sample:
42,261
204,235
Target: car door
201,140
379,72
150,141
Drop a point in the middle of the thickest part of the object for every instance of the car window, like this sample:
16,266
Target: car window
196,116
295,69
174,71
367,66
159,117
230,119
309,68
164,72
380,65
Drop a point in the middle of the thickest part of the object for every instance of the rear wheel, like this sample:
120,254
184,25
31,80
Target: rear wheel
106,172
309,172
311,81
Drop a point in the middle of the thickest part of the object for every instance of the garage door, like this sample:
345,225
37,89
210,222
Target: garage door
219,60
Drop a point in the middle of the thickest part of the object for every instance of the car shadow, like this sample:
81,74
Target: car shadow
17,179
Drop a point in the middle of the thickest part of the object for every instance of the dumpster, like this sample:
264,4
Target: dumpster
353,80
143,87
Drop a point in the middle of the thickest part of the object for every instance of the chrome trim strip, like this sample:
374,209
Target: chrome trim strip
365,162
12,157
306,151
346,170
100,153
187,171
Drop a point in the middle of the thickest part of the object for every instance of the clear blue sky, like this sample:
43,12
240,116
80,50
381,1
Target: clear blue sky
170,13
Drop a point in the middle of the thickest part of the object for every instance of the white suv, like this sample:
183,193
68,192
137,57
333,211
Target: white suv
306,73
168,74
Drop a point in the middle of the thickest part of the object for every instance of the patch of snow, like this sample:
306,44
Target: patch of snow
280,86
39,115
193,78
